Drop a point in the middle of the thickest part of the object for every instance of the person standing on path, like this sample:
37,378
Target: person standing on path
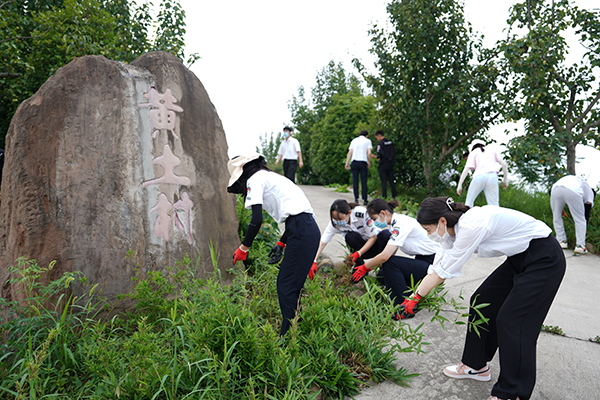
285,202
578,195
358,162
289,151
519,292
485,178
387,156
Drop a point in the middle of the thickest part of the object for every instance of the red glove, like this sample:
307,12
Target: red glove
359,272
409,307
313,271
239,255
355,256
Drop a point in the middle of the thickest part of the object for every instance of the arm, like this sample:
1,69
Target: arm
368,244
253,226
278,159
428,283
320,249
368,157
348,159
505,171
382,257
462,179
300,163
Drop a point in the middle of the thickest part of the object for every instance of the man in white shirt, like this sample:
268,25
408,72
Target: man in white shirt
289,150
575,193
358,162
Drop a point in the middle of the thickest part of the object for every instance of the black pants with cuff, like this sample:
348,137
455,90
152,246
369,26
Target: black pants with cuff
303,237
289,169
386,174
398,273
360,168
520,292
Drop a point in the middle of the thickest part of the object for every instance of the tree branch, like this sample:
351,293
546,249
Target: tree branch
9,75
24,37
588,109
6,2
470,135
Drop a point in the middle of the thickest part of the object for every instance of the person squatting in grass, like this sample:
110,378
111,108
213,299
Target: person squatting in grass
285,202
359,231
519,292
406,235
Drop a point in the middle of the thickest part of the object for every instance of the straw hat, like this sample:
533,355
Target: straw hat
236,166
475,142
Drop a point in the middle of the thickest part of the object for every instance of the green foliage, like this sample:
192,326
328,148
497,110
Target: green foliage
433,96
269,147
37,38
557,100
555,330
326,123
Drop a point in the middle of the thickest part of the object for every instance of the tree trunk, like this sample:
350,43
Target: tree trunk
571,157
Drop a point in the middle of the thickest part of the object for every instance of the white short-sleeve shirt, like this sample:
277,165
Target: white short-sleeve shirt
483,161
359,222
410,237
359,147
279,196
489,231
576,185
288,149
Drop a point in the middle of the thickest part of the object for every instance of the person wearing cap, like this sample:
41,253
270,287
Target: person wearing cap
358,229
515,298
286,203
484,162
579,196
289,151
387,157
358,162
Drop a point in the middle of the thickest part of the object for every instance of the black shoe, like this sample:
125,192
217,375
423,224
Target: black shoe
366,202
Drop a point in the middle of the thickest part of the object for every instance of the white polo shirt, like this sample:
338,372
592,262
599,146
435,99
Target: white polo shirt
279,196
489,231
359,147
288,149
410,237
359,222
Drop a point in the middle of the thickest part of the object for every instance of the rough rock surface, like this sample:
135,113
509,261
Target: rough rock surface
109,158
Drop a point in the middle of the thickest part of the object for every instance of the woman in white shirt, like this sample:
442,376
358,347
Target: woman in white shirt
354,224
519,292
484,162
285,202
397,272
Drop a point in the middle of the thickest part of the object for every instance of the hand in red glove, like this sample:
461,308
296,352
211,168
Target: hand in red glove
409,307
313,271
355,256
359,272
239,255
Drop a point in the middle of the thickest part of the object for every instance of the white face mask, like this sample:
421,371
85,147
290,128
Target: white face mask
435,236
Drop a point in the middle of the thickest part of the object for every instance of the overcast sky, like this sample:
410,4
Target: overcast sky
255,55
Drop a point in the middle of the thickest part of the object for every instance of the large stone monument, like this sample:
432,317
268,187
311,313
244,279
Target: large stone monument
109,159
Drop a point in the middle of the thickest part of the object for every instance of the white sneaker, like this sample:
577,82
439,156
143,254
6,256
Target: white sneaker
564,244
580,250
461,371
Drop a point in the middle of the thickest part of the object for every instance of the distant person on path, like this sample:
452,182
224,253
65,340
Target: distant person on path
387,157
358,162
485,178
285,202
397,272
359,231
579,196
289,151
519,292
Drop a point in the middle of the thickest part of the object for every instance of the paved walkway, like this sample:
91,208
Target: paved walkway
568,366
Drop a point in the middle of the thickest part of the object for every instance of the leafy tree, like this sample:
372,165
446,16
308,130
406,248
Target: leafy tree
432,96
269,147
557,99
327,121
38,37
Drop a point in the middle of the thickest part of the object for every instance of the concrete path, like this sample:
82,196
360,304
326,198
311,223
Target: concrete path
568,367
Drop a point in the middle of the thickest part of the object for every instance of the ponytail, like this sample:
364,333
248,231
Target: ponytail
378,205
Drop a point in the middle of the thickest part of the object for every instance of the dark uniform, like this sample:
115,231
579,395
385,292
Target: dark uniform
386,155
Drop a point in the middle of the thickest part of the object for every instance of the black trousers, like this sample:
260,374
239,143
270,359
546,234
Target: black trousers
386,174
398,273
289,169
520,292
355,241
360,168
303,237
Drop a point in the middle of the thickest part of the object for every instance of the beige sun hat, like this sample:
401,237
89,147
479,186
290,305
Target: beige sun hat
236,166
475,142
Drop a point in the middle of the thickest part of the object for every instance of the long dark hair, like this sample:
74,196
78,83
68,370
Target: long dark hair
479,146
378,205
341,206
434,208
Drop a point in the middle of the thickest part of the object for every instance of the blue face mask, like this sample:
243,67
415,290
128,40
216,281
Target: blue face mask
286,134
380,225
339,224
